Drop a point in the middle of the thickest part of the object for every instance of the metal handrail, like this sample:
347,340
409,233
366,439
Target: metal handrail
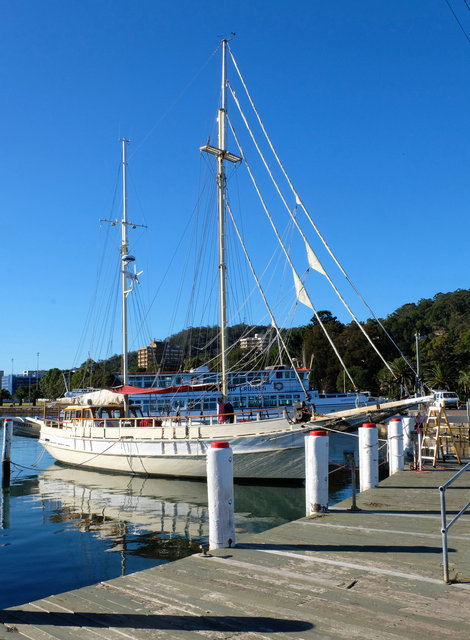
444,526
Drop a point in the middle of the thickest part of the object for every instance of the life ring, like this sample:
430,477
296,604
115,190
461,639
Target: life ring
278,386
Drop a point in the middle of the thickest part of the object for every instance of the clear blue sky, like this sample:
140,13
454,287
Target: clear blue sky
367,103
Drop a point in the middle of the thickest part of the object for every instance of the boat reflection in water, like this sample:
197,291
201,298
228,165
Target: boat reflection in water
161,518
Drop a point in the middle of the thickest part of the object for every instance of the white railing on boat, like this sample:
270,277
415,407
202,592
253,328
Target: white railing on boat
172,427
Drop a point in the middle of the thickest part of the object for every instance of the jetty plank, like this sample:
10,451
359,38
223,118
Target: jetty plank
372,574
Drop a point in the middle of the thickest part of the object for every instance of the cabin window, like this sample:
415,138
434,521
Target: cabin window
270,401
279,375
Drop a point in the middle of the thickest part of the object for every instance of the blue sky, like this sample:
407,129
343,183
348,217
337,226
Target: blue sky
367,105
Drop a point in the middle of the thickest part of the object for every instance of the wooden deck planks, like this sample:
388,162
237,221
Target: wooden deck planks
370,575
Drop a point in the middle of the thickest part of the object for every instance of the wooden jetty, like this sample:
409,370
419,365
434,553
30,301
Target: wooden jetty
13,411
371,574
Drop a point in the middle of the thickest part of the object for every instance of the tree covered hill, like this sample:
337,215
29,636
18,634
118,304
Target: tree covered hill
442,324
443,328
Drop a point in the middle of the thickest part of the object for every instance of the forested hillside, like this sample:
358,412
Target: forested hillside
442,325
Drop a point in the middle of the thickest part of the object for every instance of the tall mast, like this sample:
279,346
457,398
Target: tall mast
221,223
126,275
222,154
124,253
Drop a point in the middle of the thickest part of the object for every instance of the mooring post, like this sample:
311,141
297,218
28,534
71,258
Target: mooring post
368,456
6,451
396,461
419,465
316,472
408,423
220,496
350,463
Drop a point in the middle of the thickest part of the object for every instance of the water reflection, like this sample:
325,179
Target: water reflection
102,504
5,508
82,527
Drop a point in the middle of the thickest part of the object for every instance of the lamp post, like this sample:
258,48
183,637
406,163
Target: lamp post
37,371
419,382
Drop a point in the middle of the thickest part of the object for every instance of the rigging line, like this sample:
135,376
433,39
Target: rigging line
170,262
174,103
99,272
456,18
320,267
296,276
299,202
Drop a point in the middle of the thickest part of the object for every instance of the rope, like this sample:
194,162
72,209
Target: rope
299,202
296,276
323,270
273,320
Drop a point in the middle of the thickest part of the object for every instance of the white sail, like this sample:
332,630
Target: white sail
313,261
300,292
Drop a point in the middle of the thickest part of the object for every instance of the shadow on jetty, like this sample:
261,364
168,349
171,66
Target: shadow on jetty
259,624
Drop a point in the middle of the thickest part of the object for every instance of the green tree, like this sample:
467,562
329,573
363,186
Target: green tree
21,394
358,374
4,395
439,376
52,384
401,383
325,364
35,394
464,383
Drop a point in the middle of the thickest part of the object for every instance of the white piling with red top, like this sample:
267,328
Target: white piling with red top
368,456
220,496
396,459
409,429
316,472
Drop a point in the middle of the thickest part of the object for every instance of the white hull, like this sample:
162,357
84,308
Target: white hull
270,449
267,455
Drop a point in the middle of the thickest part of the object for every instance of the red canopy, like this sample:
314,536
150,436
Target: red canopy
130,390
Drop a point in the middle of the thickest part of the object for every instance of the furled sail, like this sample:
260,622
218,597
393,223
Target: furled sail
313,261
300,292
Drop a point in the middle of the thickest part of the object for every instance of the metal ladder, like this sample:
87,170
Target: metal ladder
437,436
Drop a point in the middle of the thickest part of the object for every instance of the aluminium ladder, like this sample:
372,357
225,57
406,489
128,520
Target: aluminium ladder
437,436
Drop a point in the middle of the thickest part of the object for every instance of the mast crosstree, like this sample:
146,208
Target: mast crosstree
126,259
222,154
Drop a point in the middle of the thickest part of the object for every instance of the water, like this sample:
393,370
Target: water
64,528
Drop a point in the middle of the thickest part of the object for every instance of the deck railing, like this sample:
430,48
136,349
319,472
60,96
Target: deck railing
444,526
174,426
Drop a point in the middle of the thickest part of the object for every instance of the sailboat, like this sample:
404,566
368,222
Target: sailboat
104,430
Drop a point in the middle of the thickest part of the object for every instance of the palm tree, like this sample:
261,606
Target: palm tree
464,381
439,376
